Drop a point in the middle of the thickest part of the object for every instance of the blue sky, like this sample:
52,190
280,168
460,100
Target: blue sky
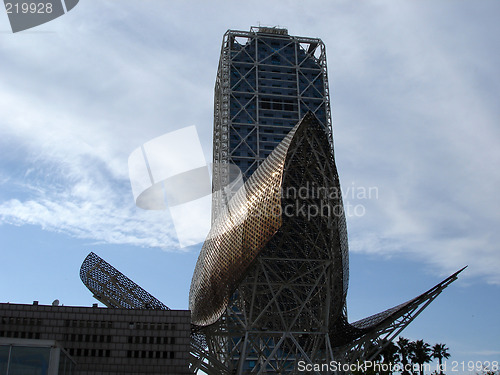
414,90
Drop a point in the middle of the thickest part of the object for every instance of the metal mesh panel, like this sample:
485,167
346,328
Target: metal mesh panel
237,236
113,288
373,321
297,282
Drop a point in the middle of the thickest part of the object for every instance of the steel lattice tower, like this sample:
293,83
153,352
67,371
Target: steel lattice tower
266,82
269,288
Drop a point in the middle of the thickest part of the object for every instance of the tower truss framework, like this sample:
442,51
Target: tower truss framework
266,82
269,289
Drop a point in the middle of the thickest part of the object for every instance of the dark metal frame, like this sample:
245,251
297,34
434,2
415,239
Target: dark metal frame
283,300
113,288
245,77
282,303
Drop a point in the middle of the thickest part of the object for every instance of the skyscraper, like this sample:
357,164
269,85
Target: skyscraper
266,82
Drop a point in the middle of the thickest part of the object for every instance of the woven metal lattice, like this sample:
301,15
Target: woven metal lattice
237,236
113,288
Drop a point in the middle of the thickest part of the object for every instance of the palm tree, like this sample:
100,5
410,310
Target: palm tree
404,351
420,354
390,354
440,351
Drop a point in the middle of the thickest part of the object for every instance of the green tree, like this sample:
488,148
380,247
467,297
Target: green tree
390,354
404,353
488,372
440,351
420,353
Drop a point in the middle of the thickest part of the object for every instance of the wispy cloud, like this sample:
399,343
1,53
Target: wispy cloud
86,203
68,126
412,113
412,120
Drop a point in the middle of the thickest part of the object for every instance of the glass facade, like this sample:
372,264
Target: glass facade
4,358
266,82
66,364
30,359
25,360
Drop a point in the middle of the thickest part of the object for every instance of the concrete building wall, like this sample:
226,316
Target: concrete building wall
106,341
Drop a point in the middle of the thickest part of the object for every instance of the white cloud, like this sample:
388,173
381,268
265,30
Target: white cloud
410,117
412,109
74,105
88,208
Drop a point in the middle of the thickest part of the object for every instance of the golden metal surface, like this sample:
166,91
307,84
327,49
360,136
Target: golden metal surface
237,236
246,225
